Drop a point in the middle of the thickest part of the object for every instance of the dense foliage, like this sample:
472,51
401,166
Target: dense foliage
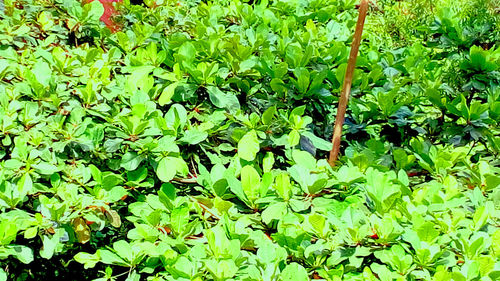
190,143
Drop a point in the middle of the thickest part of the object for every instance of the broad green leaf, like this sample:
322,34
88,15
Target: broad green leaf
188,52
220,99
495,245
294,271
293,138
22,253
130,161
31,232
3,275
274,212
109,257
193,136
25,185
42,72
95,10
268,115
304,158
179,219
88,260
302,83
268,162
169,167
50,244
318,223
166,169
248,146
45,168
283,186
250,182
167,94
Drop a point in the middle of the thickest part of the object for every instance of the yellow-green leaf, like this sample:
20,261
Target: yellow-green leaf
82,230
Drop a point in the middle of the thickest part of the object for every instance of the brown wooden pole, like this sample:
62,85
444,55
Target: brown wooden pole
346,87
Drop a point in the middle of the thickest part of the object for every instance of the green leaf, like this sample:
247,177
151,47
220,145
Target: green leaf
193,136
220,99
187,52
179,219
427,232
22,253
248,146
278,86
185,266
318,143
302,83
30,232
95,10
268,162
42,72
486,265
274,211
45,168
25,185
495,244
88,260
268,115
8,232
167,94
283,186
109,257
250,182
222,270
293,138
318,223
133,276
294,271
304,159
49,245
167,194
130,161
166,169
3,275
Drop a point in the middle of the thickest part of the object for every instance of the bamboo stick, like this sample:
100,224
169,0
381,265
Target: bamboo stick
346,88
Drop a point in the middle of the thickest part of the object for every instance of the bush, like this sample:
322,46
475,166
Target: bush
190,143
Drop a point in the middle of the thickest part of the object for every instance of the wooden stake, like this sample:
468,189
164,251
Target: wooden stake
346,87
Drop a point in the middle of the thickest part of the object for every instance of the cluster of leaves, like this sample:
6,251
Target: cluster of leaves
190,144
410,21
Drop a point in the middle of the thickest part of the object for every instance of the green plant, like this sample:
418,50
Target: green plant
191,144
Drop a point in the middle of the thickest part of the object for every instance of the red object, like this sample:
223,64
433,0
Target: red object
374,234
109,12
165,229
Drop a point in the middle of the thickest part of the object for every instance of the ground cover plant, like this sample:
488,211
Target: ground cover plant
187,140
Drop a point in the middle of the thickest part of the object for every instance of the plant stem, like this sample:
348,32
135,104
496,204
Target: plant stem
346,88
187,180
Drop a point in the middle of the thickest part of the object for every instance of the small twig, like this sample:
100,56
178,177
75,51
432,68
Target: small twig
121,274
194,168
205,208
472,147
189,180
346,88
192,179
129,272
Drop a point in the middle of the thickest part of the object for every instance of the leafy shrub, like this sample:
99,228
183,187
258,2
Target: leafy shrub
190,143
